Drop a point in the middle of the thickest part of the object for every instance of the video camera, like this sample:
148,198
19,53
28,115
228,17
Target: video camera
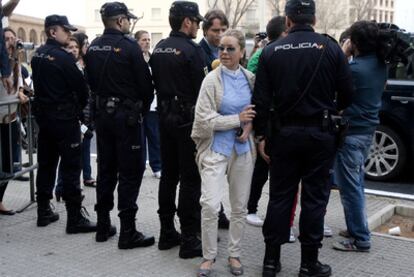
25,45
397,42
261,35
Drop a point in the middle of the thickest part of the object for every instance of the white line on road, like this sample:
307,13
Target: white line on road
390,194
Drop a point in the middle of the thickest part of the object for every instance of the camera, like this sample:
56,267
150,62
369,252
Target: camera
25,45
397,43
261,35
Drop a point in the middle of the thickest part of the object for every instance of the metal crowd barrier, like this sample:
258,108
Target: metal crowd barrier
30,147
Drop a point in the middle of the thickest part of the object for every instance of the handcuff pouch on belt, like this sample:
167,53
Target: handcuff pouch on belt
339,126
177,113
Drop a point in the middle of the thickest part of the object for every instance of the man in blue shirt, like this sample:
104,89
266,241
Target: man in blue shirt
369,77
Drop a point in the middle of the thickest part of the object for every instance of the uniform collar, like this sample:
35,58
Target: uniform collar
303,28
179,34
112,32
53,42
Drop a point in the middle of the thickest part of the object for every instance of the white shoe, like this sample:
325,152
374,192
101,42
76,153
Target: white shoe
292,237
157,174
327,231
254,219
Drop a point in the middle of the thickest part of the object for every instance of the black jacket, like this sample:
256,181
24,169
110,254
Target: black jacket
57,80
208,57
284,70
116,67
178,68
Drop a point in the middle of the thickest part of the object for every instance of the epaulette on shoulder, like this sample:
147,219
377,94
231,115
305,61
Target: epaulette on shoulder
130,38
331,38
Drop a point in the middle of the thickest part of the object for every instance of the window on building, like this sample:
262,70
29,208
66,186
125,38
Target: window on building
386,3
21,34
251,15
392,4
374,15
381,19
156,14
391,17
386,16
381,3
33,37
97,15
155,38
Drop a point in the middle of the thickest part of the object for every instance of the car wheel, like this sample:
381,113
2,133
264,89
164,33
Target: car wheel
387,155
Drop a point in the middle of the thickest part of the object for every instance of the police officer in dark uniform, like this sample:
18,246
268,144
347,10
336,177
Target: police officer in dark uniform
178,70
60,95
120,79
302,81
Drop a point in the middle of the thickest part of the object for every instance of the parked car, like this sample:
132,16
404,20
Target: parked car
392,150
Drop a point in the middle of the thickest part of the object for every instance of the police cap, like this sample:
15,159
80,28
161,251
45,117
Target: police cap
116,8
297,7
186,8
59,20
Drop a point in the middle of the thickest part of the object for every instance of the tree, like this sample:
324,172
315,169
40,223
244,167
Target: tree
275,5
233,9
362,9
331,17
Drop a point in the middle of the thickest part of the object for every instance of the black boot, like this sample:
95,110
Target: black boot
169,237
45,214
223,222
310,266
104,228
271,262
77,221
190,246
130,238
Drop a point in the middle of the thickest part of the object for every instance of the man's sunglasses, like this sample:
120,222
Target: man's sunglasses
228,49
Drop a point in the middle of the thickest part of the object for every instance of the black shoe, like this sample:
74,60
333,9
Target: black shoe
169,239
271,267
77,221
22,178
45,214
129,239
58,195
315,270
223,222
104,229
190,247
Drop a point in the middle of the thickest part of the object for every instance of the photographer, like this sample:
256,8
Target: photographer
8,116
369,77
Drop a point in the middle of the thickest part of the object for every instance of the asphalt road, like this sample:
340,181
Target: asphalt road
403,184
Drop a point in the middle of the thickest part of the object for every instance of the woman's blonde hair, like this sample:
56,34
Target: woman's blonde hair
237,35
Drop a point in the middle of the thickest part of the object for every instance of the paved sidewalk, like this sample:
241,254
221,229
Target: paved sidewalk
26,250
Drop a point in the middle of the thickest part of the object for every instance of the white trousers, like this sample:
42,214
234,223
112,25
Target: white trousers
239,170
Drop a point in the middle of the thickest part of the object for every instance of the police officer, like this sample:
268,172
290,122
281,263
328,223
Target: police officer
295,89
61,94
178,69
120,79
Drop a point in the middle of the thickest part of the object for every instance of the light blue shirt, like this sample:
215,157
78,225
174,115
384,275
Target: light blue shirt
236,96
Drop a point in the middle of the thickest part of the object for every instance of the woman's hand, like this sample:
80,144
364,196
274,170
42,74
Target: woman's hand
22,97
247,115
247,128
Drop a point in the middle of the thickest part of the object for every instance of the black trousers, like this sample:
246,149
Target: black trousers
306,155
58,138
120,161
178,165
6,157
259,179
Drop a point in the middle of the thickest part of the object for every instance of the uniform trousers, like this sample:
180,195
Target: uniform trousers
306,155
120,161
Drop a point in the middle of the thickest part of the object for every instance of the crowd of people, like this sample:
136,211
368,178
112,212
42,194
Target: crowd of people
304,111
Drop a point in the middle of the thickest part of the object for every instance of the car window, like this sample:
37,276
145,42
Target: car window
400,71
